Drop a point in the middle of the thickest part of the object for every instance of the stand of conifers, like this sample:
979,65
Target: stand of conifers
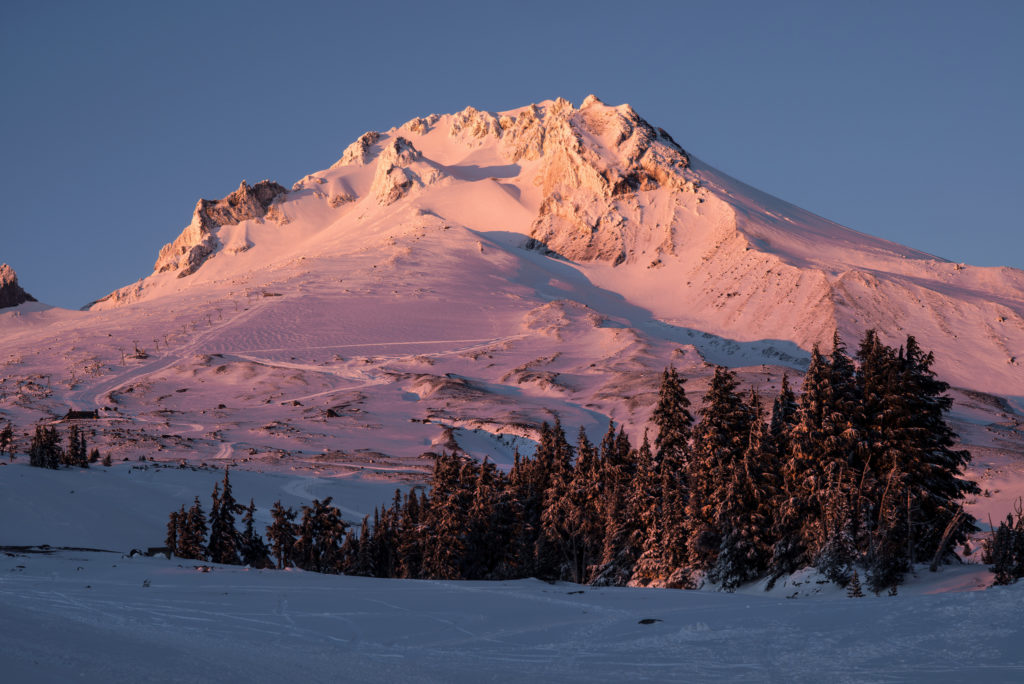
856,475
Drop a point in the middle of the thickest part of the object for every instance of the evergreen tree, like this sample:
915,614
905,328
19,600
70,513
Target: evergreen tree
746,509
932,468
192,534
364,565
281,534
853,589
174,524
410,542
798,519
719,442
7,441
672,418
838,551
784,410
445,543
644,512
320,534
618,466
77,452
252,549
224,541
45,451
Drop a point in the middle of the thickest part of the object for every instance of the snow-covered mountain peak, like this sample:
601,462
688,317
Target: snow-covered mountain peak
611,197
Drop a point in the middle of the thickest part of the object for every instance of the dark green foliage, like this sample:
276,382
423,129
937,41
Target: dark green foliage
719,442
77,452
224,542
252,548
281,534
192,532
45,451
7,441
320,534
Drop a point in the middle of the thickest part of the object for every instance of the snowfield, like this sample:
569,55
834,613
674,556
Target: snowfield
102,616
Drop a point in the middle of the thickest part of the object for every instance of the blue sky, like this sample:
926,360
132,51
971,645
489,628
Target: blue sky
903,120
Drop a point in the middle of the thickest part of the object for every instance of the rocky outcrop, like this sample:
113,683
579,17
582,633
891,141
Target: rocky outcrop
400,167
11,293
359,152
595,160
473,127
198,241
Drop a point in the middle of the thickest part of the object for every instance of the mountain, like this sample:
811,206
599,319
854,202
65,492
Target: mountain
467,276
11,293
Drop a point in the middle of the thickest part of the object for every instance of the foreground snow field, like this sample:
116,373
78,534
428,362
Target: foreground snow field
102,616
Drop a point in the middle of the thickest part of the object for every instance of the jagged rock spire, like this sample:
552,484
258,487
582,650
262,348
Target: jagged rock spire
11,293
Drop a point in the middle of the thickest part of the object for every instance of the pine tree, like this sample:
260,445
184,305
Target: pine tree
745,511
784,410
320,534
77,451
174,524
719,441
7,441
445,543
618,466
224,539
410,542
838,551
364,566
106,460
252,548
798,520
999,553
931,466
281,534
192,535
644,511
853,589
45,451
672,418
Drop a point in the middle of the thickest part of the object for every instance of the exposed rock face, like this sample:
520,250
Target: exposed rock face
358,153
421,124
400,166
197,242
472,127
11,293
594,163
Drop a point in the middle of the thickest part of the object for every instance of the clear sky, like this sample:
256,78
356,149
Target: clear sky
900,119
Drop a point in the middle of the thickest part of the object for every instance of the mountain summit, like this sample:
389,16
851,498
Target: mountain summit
615,199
